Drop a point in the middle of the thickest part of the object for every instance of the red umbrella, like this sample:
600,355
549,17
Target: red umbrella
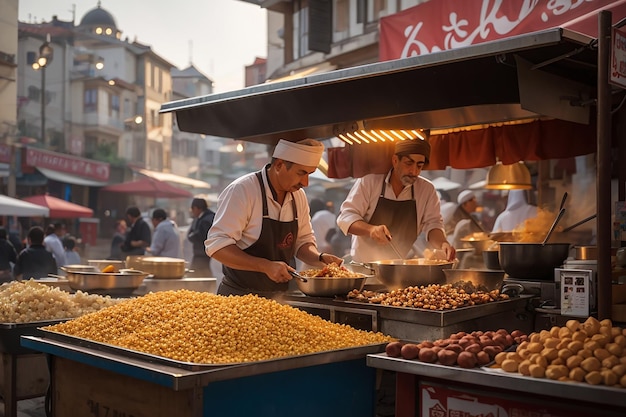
148,187
60,209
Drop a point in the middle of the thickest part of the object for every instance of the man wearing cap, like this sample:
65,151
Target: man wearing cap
394,207
166,239
262,222
462,223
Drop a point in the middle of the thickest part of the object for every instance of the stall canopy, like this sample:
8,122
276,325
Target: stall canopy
148,187
14,207
546,80
60,209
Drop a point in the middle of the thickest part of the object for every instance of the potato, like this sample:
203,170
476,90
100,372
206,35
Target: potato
609,378
455,347
501,340
602,339
427,355
573,361
614,349
542,361
558,362
585,353
523,345
615,331
535,347
426,344
534,337
466,359
514,356
601,354
575,346
483,358
577,374
565,353
492,351
590,364
447,357
550,354
556,372
551,342
393,349
592,345
500,357
563,343
554,331
593,378
510,365
610,362
579,335
620,340
564,332
474,348
410,351
572,325
591,326
537,371
606,323
524,367
619,369
622,381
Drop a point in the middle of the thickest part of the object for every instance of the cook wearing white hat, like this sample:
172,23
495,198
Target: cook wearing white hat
262,222
465,196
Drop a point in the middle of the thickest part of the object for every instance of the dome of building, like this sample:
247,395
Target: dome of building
98,17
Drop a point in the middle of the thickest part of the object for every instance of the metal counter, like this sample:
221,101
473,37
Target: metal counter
289,386
479,378
419,324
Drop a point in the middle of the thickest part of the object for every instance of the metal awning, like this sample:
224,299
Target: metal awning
472,85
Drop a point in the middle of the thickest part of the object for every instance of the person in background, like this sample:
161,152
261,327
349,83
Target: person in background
72,257
322,220
464,220
139,237
166,239
8,256
262,222
34,261
197,234
394,207
53,242
517,210
119,235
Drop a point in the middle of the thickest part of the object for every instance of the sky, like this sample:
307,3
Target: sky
220,37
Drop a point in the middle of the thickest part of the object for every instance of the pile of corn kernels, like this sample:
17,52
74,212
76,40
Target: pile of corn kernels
30,301
205,328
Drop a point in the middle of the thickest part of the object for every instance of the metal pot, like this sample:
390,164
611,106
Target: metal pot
160,266
402,273
78,268
584,253
532,261
89,281
483,280
330,286
491,259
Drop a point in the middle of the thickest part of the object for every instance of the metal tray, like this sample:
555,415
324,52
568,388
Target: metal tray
318,357
10,334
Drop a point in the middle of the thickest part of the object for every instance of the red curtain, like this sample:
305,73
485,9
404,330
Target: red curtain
539,140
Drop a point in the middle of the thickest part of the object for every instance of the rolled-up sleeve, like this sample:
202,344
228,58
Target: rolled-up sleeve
360,202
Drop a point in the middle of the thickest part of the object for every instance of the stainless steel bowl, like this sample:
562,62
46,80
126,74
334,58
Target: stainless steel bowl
89,281
100,264
330,286
78,268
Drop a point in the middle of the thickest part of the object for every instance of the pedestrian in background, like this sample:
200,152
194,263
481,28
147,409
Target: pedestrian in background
119,235
72,257
198,231
53,242
166,239
8,256
139,237
34,261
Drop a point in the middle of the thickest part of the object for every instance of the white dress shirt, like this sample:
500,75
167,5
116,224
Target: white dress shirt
362,199
239,214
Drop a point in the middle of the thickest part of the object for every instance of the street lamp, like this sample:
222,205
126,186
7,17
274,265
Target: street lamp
45,58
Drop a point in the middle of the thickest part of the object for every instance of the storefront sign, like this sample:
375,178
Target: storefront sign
39,158
439,25
618,58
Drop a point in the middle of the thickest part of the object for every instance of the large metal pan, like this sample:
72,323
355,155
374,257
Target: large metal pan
100,264
532,261
161,267
330,286
402,273
482,280
90,281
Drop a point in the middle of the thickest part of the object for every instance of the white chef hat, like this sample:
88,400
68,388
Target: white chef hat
307,152
465,196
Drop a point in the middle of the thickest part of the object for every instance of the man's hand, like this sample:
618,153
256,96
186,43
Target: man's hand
380,234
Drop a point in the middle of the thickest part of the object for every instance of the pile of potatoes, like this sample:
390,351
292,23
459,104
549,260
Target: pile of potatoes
466,350
593,352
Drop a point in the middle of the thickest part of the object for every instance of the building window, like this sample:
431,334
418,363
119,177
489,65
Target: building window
301,28
91,101
342,16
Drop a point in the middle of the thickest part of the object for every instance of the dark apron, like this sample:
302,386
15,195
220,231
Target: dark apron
400,217
276,243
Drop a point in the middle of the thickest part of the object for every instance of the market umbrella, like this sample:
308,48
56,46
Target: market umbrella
60,209
148,187
14,207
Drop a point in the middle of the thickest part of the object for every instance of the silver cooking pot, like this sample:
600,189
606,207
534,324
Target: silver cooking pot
402,273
